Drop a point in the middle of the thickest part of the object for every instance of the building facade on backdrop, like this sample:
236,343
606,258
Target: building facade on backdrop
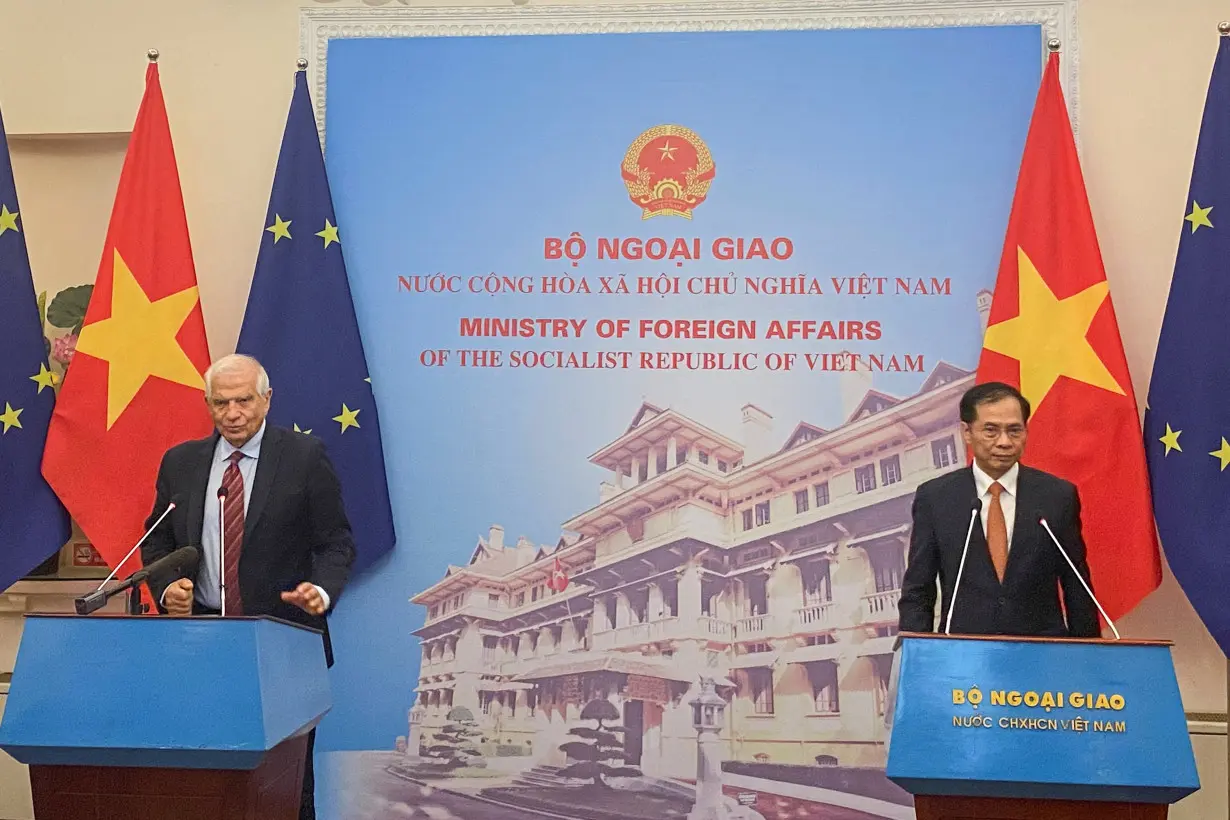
772,564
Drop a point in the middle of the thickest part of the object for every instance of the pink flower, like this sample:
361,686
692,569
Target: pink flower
63,348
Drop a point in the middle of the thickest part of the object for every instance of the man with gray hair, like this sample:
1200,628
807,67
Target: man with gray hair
273,493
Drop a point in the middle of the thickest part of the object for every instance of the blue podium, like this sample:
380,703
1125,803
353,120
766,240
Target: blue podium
159,717
1003,728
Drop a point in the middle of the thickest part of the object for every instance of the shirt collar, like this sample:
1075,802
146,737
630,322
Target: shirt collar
251,448
1008,480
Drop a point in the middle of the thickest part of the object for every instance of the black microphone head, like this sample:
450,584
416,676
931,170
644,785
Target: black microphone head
185,561
976,506
182,563
223,492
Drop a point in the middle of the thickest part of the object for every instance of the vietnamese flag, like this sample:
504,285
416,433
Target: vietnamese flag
1052,333
134,387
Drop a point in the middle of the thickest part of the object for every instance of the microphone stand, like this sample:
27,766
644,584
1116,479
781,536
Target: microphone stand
222,494
1079,577
952,604
91,602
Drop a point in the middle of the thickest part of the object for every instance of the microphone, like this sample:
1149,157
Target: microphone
96,599
181,563
975,508
1042,520
223,492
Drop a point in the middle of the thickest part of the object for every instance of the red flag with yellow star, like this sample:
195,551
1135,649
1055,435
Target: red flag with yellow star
1052,333
134,387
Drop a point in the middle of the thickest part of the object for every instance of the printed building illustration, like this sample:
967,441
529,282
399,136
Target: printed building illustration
772,564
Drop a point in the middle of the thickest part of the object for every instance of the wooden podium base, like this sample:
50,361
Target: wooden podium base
271,791
930,807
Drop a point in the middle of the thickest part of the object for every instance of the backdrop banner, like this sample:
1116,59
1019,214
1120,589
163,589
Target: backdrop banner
665,329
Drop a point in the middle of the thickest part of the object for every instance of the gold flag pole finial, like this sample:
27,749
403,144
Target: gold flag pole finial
1053,44
152,54
1224,28
301,63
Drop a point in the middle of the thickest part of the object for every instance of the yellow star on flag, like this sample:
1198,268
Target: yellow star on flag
280,228
1047,336
8,220
9,417
329,234
1171,440
305,432
45,377
1199,216
1222,453
348,418
138,340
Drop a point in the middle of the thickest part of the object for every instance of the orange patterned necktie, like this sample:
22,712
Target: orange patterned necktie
997,532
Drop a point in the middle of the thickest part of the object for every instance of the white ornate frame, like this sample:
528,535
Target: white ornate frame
317,26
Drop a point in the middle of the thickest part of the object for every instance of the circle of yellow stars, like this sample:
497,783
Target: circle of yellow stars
1199,218
281,230
347,418
11,417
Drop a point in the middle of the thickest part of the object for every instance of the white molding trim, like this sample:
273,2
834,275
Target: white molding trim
317,26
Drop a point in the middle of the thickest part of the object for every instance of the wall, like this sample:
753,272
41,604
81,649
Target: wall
75,67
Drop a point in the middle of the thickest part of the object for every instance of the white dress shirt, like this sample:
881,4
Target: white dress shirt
1007,498
207,587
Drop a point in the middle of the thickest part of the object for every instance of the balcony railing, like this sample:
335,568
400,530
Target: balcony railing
881,607
814,617
752,627
714,628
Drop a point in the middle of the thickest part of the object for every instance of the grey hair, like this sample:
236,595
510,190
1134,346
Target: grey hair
231,363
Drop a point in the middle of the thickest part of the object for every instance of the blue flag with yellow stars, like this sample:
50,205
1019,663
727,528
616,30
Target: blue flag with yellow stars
300,324
1187,420
33,523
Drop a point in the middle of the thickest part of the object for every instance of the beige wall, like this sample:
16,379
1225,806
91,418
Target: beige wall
75,66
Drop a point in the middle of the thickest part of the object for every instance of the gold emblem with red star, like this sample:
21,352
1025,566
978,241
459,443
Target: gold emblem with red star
668,170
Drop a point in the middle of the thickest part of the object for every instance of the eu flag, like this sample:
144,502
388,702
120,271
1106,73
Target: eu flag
300,324
1187,420
33,523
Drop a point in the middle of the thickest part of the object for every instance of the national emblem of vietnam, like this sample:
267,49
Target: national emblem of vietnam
668,170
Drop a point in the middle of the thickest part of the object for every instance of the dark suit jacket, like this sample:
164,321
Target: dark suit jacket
295,527
1027,602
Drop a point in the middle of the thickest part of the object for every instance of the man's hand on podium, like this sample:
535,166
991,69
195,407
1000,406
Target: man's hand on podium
178,598
307,597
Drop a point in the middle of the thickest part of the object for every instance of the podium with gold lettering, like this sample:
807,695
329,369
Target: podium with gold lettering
1004,728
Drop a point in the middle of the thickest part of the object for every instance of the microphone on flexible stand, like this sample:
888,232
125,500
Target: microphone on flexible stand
181,563
223,492
96,599
975,508
1042,520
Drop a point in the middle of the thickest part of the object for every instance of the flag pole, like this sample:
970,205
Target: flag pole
152,54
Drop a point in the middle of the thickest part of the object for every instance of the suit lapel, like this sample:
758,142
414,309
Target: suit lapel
198,487
1019,547
979,552
979,549
266,469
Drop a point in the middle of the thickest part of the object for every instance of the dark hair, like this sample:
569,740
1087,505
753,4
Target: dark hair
987,393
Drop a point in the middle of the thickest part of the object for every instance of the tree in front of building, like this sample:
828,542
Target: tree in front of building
600,752
455,745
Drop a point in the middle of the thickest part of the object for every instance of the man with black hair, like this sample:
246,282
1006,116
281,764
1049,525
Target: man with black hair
1013,575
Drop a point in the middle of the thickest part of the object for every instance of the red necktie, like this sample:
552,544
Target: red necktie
232,529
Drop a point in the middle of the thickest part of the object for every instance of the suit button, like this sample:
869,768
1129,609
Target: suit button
1002,600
